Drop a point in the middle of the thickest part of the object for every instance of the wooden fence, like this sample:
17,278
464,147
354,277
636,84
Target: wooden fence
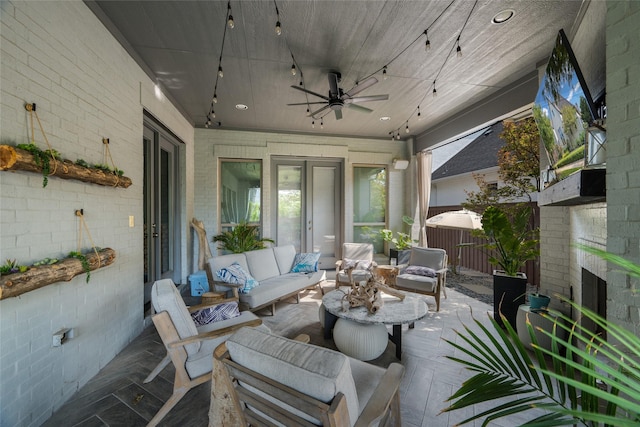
474,258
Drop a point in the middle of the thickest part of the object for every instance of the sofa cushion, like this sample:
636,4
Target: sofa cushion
275,288
413,281
235,274
217,313
356,264
419,270
316,371
284,257
305,262
262,264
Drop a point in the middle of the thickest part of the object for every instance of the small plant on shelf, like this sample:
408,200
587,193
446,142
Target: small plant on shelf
85,263
11,266
42,159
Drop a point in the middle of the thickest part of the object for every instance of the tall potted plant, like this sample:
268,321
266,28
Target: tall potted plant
511,243
242,237
401,243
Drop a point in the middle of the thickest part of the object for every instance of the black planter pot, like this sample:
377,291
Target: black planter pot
401,257
508,294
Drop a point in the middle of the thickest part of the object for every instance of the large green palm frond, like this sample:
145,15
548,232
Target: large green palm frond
588,381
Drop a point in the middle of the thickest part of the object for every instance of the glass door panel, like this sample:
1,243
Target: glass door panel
322,223
289,206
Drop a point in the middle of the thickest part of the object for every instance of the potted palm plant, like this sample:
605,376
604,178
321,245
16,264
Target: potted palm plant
242,237
511,243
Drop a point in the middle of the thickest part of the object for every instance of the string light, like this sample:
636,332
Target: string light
458,49
215,98
393,135
398,136
293,69
427,44
313,122
321,123
278,28
230,20
435,92
213,114
406,129
220,72
384,73
419,114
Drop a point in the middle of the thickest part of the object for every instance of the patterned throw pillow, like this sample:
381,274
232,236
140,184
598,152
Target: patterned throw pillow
220,312
420,271
236,275
306,262
358,264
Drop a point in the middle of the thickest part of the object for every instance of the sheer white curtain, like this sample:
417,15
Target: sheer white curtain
424,191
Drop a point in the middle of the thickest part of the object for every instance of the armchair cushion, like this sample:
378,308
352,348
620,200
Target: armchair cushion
306,262
357,264
235,274
315,371
419,270
218,313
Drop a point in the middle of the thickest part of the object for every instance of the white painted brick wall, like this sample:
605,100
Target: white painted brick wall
623,157
59,56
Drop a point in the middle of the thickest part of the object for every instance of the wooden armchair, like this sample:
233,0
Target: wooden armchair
425,274
356,264
263,379
190,348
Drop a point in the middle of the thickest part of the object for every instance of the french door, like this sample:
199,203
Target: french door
161,233
308,206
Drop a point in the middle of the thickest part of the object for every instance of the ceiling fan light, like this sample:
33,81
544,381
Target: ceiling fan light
278,28
220,73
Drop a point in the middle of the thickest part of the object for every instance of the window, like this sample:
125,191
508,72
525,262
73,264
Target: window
369,205
240,185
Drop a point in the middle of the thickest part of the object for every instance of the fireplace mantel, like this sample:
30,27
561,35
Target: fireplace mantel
583,187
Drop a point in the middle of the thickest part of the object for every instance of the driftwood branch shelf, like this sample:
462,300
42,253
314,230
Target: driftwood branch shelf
16,284
13,159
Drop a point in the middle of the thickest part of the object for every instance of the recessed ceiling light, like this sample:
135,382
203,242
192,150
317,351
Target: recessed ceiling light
503,16
385,118
241,107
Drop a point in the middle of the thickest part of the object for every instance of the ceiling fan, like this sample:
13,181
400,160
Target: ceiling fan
337,98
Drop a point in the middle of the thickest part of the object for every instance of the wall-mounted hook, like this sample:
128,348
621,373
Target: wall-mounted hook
79,212
30,107
105,141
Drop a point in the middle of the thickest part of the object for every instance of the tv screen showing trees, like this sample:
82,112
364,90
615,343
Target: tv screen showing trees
563,110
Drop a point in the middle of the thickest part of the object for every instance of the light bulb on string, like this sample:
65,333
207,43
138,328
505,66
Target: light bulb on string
278,28
313,124
406,129
427,44
308,111
398,135
230,22
215,98
435,92
419,114
321,123
213,114
393,135
220,73
293,69
384,73
458,49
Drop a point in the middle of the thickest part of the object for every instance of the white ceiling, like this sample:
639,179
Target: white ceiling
179,43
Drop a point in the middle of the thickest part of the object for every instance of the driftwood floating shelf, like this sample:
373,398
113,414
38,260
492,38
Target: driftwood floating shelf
12,285
14,159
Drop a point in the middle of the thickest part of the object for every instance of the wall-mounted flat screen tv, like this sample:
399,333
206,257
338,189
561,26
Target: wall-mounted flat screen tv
563,110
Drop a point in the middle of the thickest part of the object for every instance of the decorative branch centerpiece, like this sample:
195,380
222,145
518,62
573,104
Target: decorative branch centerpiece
369,293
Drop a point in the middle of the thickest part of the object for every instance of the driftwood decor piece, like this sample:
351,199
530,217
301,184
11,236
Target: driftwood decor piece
369,294
17,159
16,284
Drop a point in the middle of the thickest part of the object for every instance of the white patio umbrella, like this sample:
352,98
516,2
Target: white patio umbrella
456,220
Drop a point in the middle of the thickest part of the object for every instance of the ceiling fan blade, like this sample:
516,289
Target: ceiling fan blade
309,91
361,86
360,108
334,91
318,111
366,98
308,103
338,114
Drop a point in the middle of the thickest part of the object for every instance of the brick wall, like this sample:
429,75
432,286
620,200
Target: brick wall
623,158
86,87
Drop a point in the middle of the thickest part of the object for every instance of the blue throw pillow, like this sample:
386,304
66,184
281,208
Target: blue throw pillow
236,275
220,312
306,262
420,271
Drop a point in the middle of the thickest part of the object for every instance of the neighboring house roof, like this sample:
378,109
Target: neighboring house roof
481,153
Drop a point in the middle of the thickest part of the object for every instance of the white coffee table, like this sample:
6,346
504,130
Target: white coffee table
362,335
